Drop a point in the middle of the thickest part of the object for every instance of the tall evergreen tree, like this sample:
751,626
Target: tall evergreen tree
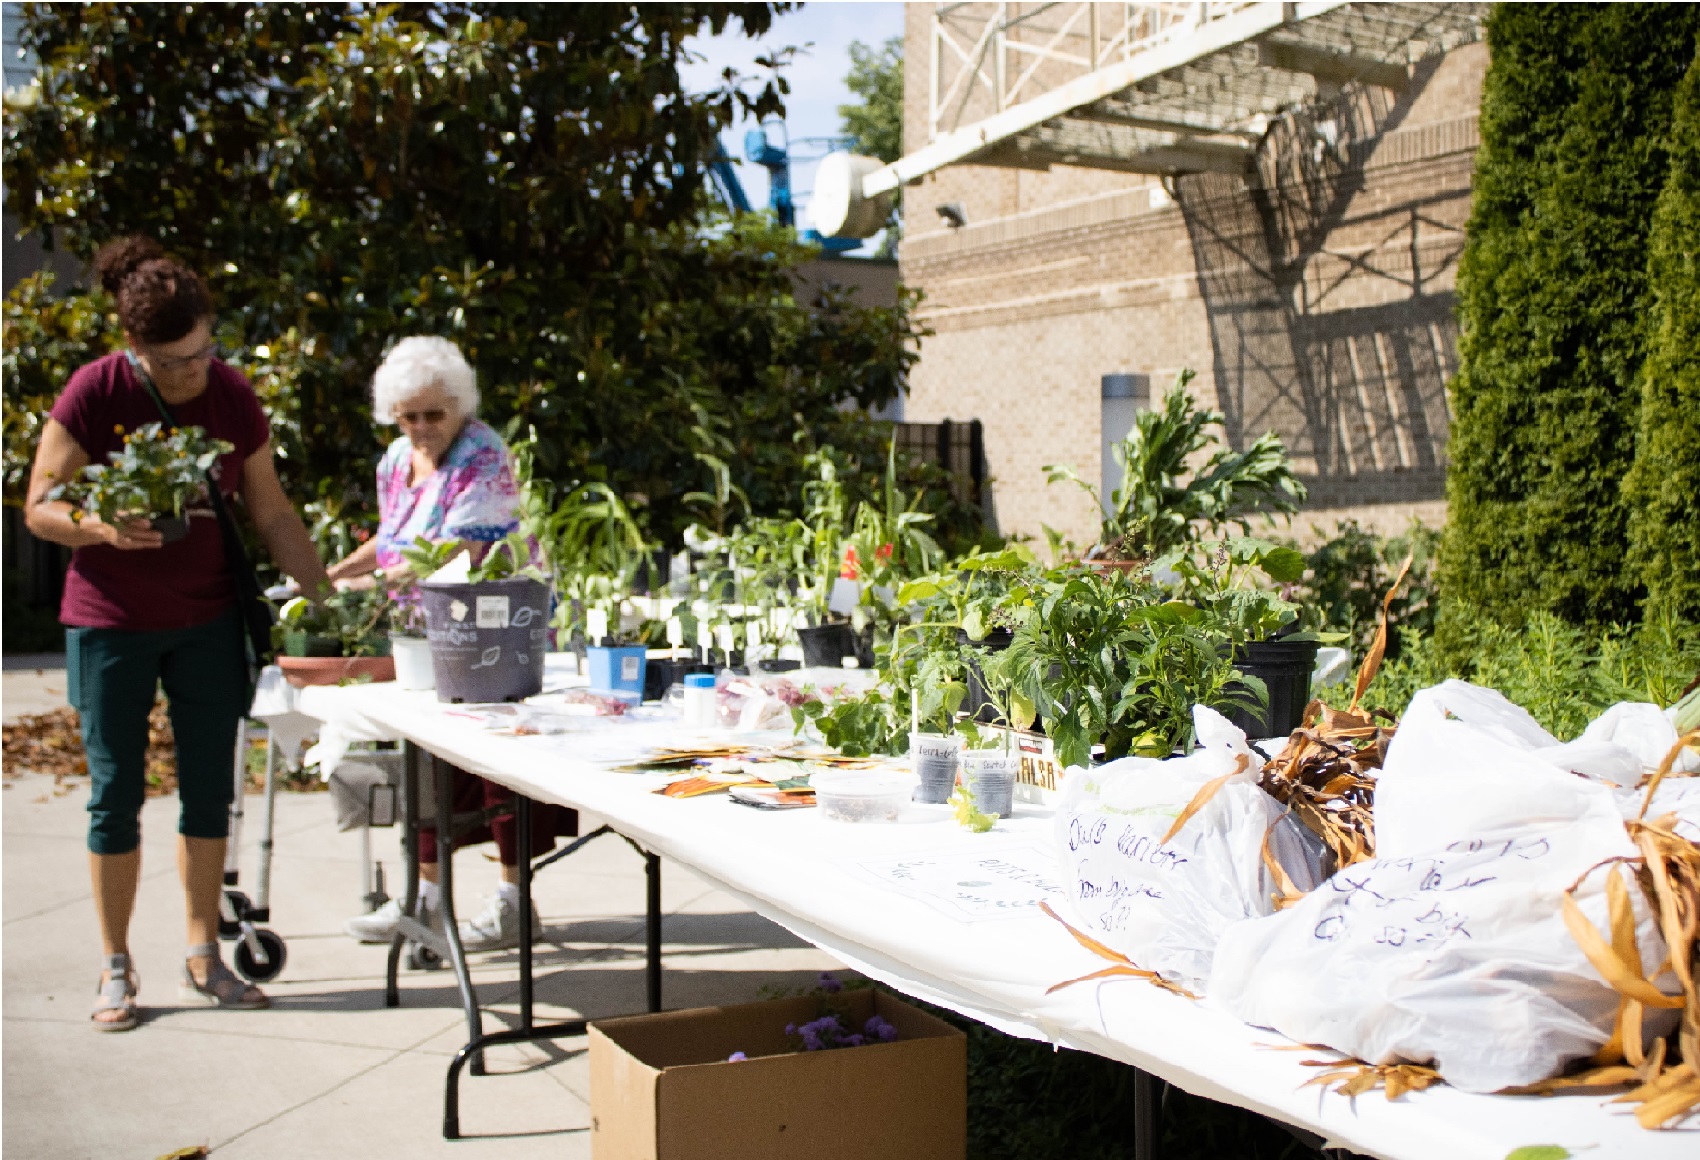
1555,307
1663,487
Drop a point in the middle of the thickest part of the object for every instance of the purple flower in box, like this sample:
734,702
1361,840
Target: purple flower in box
829,983
878,1030
736,1057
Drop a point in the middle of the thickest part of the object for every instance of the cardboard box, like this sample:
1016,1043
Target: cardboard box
661,1089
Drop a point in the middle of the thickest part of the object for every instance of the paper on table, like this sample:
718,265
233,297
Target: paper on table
988,882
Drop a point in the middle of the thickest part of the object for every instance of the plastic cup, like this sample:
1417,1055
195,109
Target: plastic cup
989,776
935,757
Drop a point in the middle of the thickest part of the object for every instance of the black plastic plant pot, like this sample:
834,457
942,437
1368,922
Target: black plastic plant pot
1285,667
827,645
173,528
978,704
661,675
488,639
298,642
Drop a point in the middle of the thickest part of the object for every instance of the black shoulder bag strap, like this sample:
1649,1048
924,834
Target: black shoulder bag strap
256,613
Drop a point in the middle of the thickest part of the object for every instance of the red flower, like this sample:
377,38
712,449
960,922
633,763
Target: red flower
884,552
852,567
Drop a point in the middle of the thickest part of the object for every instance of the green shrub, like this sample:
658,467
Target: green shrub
1663,487
1556,310
1347,577
1563,675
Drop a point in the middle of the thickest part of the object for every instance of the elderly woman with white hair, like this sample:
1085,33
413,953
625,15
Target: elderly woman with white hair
448,478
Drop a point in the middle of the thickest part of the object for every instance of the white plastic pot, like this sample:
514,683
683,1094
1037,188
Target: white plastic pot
413,662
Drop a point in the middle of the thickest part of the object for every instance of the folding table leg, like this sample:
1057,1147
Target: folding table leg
444,774
410,757
1147,1115
652,923
528,1030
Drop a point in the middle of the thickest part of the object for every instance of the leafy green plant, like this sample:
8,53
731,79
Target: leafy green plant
1221,578
152,477
1103,659
1163,503
1347,577
508,559
426,557
874,722
352,621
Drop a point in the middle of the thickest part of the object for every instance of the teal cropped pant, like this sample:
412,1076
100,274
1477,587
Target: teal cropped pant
113,676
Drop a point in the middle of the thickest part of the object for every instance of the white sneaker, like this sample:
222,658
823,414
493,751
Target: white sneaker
497,926
380,925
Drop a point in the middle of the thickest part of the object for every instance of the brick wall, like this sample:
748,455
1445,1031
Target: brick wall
1319,307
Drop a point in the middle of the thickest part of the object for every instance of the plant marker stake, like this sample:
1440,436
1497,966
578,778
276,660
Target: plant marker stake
914,710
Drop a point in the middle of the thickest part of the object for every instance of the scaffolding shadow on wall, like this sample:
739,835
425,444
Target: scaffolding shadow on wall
1356,390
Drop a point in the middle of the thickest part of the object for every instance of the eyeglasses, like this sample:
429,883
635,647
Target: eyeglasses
169,362
434,415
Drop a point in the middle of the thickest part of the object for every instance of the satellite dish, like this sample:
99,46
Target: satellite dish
838,206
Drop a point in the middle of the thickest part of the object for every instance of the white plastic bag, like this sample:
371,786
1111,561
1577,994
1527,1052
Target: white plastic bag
1459,959
1467,763
1163,904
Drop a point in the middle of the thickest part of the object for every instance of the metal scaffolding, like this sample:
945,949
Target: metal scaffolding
1158,88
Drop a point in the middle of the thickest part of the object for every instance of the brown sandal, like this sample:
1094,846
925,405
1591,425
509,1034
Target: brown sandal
222,989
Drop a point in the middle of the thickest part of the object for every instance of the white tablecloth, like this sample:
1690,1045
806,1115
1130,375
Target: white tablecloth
841,887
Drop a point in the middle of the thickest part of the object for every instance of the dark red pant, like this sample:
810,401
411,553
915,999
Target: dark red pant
472,794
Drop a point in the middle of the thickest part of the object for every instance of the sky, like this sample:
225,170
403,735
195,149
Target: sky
822,32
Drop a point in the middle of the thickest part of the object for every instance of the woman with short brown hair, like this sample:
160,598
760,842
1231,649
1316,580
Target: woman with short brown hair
141,613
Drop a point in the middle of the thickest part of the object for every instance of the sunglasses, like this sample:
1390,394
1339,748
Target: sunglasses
434,415
169,362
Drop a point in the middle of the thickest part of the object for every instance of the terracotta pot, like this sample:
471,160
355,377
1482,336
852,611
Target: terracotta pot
303,671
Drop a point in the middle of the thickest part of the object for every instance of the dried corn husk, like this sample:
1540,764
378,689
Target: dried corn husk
1124,967
1324,776
1669,875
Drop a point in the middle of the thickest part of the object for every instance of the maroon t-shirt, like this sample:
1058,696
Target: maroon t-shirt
185,583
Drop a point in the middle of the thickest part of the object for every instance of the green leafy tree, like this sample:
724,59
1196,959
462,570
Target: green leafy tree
1556,310
1663,487
876,80
875,120
524,179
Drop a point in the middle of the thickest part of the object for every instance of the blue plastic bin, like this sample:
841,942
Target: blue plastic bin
617,670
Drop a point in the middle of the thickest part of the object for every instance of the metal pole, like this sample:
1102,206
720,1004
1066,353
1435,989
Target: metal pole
410,860
233,846
263,879
444,774
522,820
1147,1110
652,970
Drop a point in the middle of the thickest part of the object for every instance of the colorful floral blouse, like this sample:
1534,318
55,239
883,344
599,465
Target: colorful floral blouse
471,496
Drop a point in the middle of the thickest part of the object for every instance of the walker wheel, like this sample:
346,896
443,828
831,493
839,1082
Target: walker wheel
255,972
423,958
236,902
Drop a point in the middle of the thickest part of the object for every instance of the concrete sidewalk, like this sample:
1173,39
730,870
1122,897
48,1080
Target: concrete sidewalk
328,1070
